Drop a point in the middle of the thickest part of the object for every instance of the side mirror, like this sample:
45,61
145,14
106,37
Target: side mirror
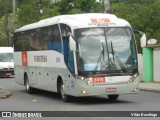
72,43
143,39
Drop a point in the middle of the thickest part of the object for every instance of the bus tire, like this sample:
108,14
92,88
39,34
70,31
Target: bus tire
28,88
113,97
65,98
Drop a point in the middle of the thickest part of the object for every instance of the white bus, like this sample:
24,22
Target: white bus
77,55
6,62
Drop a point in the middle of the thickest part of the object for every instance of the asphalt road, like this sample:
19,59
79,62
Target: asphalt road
47,101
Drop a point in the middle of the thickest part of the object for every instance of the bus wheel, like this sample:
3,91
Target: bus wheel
113,97
65,98
28,88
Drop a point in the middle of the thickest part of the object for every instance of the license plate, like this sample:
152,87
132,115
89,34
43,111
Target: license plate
8,74
111,89
98,79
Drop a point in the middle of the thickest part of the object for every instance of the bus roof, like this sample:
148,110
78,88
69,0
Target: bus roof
79,21
6,49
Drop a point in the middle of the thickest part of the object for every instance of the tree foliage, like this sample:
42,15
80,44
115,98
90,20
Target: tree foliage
143,15
33,10
11,21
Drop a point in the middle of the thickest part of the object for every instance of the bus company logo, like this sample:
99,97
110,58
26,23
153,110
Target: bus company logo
40,58
24,58
100,20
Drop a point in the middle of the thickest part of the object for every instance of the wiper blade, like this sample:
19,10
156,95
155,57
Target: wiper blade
118,59
100,56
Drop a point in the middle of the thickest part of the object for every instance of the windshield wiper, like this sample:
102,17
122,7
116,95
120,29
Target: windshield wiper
100,56
121,64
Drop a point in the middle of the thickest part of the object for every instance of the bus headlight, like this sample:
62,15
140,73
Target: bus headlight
133,77
81,78
86,80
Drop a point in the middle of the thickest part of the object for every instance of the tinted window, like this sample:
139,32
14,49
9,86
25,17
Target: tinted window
47,38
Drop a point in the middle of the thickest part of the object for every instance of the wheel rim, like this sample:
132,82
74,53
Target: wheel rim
62,91
27,84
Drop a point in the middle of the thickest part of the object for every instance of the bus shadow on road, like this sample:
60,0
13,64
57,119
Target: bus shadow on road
45,94
80,100
97,100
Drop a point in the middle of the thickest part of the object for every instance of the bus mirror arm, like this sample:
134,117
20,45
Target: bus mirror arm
143,39
72,43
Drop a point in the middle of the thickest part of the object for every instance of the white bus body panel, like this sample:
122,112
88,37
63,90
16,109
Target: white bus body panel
43,68
80,21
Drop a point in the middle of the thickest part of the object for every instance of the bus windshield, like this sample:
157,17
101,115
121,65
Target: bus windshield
6,57
105,49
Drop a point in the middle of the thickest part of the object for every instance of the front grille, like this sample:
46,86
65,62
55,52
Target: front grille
8,69
11,68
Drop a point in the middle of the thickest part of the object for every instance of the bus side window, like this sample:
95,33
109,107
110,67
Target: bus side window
68,55
54,41
17,42
36,39
45,45
65,48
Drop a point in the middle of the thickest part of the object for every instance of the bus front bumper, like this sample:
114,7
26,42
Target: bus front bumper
90,90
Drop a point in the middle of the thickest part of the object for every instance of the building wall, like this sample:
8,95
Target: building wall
140,66
156,64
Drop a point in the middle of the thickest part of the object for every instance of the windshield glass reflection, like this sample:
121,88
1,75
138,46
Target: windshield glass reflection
6,57
95,48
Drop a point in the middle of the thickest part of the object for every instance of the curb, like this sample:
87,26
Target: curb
150,87
149,90
5,94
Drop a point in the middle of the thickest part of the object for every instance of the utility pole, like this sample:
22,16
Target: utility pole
14,6
6,23
107,5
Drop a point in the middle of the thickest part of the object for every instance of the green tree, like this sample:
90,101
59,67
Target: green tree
79,6
33,10
12,26
143,15
2,7
28,12
11,21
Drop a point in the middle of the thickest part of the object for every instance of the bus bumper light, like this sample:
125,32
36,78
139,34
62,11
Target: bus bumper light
136,90
83,92
133,77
